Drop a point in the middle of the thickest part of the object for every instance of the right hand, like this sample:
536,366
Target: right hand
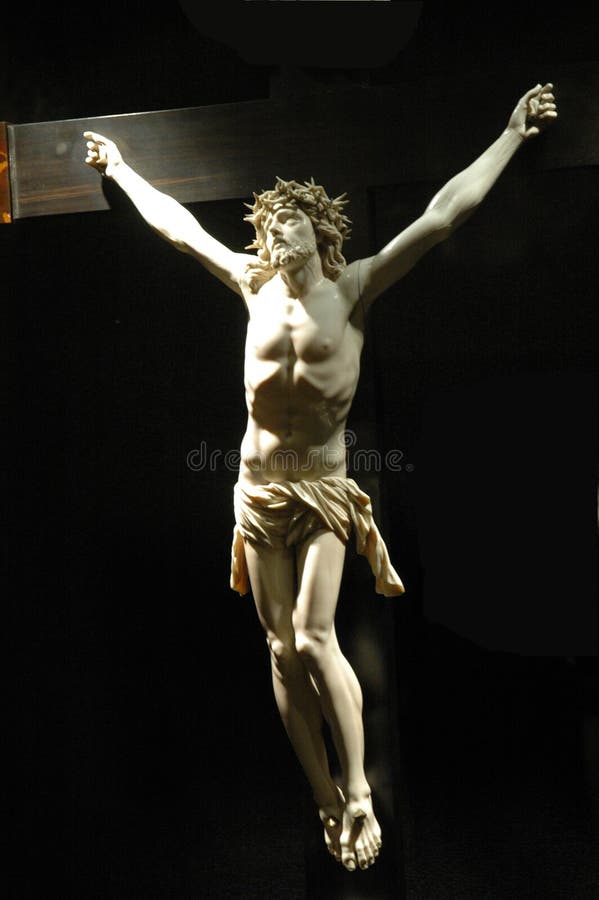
534,111
102,154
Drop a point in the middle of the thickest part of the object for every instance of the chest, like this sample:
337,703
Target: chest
281,328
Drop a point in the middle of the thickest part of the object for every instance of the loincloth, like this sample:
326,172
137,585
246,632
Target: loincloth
283,514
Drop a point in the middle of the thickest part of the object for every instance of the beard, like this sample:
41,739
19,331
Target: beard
292,254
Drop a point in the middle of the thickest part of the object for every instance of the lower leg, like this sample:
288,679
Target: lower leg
300,711
360,834
340,701
352,682
301,715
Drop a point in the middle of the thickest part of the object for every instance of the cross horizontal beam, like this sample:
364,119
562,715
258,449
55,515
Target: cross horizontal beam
5,204
345,138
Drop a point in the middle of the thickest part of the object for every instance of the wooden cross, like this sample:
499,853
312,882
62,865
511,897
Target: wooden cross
350,139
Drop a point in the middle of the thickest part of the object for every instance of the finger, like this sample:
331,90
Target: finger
94,135
546,89
539,89
532,92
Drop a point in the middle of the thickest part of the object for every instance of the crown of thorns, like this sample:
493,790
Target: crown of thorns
309,196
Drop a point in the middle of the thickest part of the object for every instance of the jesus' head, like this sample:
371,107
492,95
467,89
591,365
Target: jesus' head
311,203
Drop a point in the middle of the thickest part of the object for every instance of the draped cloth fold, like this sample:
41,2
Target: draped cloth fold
282,514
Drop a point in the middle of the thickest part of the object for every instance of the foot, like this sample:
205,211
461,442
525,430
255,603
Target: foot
331,816
360,839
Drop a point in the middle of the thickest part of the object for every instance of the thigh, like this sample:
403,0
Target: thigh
272,579
320,562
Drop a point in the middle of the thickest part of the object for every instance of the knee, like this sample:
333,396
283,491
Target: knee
282,653
312,646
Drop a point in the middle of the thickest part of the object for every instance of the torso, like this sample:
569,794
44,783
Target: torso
302,364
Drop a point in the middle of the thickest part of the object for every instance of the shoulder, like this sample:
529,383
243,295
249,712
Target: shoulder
255,284
352,280
243,264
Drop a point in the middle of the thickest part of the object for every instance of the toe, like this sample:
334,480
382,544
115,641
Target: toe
362,856
369,849
348,857
372,844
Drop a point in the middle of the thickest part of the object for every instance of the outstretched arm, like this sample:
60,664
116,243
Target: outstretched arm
165,215
457,200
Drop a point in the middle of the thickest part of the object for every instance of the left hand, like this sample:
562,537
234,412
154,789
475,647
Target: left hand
102,154
535,110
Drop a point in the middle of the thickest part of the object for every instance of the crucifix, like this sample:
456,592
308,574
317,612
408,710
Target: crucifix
218,153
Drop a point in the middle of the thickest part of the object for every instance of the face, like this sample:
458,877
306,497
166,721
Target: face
289,236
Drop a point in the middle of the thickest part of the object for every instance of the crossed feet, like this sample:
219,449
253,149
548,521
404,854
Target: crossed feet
351,832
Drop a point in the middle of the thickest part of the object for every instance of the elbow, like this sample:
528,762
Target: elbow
442,223
445,230
450,215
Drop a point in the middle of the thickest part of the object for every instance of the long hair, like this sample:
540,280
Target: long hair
331,226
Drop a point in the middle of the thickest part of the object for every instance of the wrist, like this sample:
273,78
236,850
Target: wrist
515,134
116,170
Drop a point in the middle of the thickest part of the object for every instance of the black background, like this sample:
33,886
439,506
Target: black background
150,761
